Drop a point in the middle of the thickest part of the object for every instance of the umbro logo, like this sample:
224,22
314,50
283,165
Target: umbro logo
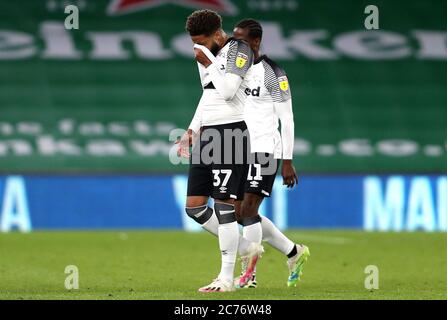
223,189
254,184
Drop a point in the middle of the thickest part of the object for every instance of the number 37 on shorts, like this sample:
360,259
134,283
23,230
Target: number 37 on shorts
221,178
229,183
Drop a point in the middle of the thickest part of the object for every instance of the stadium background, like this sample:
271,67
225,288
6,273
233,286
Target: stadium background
85,115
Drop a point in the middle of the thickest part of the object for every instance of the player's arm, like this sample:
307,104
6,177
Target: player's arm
285,114
192,133
278,87
226,84
196,122
239,60
188,138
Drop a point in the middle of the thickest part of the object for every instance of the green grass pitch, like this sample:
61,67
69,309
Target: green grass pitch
174,264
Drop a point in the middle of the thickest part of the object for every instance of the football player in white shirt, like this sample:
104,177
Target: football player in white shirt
268,100
223,63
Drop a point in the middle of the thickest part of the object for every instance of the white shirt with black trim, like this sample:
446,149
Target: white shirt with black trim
269,100
225,103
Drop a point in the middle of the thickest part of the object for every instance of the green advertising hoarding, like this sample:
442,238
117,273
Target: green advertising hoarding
106,96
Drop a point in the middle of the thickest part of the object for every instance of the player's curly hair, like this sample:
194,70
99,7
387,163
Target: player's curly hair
204,22
253,26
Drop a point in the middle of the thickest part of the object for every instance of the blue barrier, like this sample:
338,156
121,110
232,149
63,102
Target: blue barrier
386,203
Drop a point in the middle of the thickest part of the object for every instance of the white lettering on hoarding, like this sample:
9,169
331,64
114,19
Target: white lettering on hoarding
383,210
15,212
391,207
318,44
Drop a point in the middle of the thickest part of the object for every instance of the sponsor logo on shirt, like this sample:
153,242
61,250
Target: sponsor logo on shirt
254,92
283,83
241,60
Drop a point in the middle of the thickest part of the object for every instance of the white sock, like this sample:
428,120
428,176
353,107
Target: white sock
253,232
275,237
212,226
228,243
243,245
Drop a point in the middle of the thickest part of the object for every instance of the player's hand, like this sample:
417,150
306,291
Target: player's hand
184,143
201,57
289,174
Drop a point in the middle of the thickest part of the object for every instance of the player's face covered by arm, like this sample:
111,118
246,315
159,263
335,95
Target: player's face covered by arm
208,42
239,60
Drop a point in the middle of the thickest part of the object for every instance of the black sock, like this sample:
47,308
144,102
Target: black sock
293,252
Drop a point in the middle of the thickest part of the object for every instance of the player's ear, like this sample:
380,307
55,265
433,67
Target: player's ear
218,36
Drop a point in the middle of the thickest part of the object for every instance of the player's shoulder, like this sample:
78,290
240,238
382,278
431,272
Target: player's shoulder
272,66
234,41
239,45
276,79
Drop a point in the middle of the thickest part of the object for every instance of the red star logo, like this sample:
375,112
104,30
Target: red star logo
125,6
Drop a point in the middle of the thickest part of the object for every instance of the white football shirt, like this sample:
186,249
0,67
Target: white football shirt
236,57
269,98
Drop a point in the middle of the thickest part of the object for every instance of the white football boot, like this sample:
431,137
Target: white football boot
218,285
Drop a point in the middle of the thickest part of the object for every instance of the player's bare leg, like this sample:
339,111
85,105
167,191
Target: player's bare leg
250,218
197,208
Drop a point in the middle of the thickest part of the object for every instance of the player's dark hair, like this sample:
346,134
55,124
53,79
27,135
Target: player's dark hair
253,26
204,22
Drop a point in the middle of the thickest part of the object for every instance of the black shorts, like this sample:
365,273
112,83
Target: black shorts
218,163
261,174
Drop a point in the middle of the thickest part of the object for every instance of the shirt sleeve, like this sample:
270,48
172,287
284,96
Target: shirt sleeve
277,83
196,122
239,58
201,71
226,84
285,114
